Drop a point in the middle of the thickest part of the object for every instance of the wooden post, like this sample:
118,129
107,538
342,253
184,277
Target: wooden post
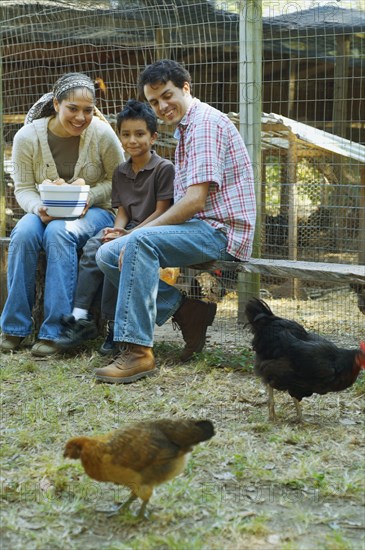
362,217
162,42
292,88
340,84
284,186
293,206
263,200
339,116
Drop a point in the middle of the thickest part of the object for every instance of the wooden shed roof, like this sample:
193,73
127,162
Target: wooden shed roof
276,128
135,23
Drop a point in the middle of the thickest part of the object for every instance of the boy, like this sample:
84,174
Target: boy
142,190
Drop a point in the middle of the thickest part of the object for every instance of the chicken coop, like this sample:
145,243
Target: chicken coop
311,188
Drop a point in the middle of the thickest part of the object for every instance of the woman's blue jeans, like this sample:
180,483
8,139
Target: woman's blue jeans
144,299
60,239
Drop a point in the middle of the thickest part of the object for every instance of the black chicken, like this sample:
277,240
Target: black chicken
289,358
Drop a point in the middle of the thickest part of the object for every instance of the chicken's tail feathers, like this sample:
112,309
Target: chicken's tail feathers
187,432
207,429
256,310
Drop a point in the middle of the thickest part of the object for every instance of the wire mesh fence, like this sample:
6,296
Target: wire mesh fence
313,100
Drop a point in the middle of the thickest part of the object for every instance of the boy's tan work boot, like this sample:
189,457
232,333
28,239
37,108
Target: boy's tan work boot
132,363
193,318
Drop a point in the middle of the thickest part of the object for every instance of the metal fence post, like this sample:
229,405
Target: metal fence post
250,93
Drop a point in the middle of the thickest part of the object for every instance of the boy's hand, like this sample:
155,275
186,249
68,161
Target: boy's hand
111,233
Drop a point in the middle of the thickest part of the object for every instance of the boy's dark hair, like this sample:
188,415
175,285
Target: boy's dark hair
163,71
136,110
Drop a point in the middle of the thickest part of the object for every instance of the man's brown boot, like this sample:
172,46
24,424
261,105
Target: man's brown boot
132,363
193,318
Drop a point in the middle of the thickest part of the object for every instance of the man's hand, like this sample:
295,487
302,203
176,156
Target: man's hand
185,208
121,256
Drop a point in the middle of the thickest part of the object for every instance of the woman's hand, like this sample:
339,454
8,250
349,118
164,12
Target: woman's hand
45,218
78,181
58,181
85,209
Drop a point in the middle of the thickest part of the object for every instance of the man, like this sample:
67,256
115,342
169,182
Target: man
212,218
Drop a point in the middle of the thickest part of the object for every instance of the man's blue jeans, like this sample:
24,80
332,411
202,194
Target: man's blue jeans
60,239
144,299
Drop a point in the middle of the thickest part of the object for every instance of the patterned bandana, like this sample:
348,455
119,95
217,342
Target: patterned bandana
44,106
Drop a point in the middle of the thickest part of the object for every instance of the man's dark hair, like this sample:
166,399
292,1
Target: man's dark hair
163,71
136,110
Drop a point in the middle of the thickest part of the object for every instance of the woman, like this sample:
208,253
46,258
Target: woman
60,139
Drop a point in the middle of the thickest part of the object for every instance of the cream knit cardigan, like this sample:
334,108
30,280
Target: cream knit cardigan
100,152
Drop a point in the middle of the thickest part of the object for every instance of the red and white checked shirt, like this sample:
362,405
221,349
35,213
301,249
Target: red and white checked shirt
210,149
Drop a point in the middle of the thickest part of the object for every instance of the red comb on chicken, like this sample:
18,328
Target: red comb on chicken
289,358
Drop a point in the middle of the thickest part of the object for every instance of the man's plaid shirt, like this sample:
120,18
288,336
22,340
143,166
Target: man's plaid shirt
210,149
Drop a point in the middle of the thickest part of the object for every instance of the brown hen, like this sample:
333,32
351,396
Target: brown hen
141,456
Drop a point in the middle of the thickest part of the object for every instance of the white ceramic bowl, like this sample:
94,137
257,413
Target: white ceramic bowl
64,201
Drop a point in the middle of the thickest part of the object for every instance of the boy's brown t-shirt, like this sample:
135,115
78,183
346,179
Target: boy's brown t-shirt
138,193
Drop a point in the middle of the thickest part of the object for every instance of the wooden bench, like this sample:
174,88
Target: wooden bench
37,312
353,275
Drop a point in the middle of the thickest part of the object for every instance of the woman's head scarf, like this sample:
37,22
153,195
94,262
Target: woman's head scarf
44,106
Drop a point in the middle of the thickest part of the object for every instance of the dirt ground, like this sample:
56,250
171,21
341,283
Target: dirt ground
256,485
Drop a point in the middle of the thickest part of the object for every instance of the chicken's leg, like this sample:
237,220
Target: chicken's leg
298,408
121,507
142,512
271,403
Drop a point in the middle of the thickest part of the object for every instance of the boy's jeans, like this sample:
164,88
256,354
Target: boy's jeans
91,280
143,299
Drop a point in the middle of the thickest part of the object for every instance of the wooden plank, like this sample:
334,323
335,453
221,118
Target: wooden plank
14,119
317,271
327,272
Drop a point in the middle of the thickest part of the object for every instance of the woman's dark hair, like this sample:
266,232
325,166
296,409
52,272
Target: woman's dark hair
136,110
163,71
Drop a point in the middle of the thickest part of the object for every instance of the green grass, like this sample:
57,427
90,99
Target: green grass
256,484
